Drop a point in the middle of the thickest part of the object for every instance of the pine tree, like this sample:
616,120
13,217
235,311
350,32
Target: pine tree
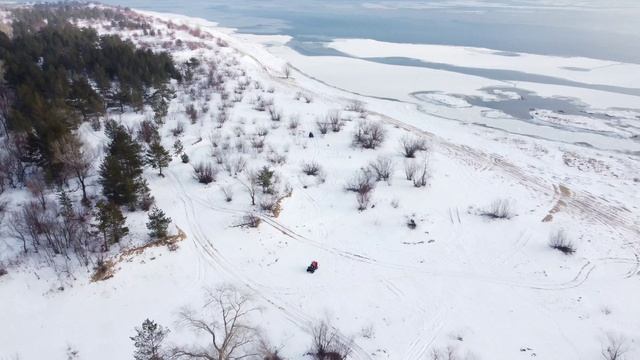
178,148
121,169
148,341
158,223
110,223
265,179
157,156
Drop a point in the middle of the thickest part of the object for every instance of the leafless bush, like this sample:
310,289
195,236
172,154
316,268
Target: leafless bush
411,145
257,142
222,117
558,240
421,176
227,191
147,131
225,324
220,156
323,126
251,220
178,130
261,104
237,165
335,121
368,134
267,352
311,168
499,209
328,344
449,353
410,169
363,199
215,138
382,167
192,113
294,123
262,131
205,173
238,131
615,349
52,231
274,114
356,106
268,202
286,71
275,158
362,182
304,97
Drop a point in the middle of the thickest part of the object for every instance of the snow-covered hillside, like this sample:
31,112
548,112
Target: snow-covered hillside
405,269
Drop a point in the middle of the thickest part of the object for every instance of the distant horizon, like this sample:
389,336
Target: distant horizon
598,29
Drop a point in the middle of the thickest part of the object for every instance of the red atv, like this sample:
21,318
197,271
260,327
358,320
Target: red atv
313,267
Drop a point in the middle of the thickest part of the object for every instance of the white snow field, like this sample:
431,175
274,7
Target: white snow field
490,288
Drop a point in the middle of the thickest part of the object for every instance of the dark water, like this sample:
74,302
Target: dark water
603,29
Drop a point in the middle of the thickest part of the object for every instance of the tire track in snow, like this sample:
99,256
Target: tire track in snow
216,260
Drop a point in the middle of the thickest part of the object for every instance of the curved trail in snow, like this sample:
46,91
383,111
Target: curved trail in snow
217,260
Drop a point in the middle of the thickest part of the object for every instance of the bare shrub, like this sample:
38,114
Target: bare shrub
615,349
323,126
268,352
410,169
220,156
294,123
448,353
227,191
499,209
356,106
178,130
251,220
205,173
262,131
335,121
304,97
421,177
257,142
382,167
275,158
411,145
328,344
222,117
268,202
286,71
558,240
369,134
147,131
192,113
311,168
363,200
238,164
274,114
362,184
225,324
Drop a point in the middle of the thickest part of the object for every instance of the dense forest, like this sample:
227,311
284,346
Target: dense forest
56,75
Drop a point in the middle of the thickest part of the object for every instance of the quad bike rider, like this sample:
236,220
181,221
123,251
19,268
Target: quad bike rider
313,267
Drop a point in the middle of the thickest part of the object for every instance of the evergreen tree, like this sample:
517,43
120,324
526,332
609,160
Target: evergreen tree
148,341
265,179
157,156
158,223
121,170
178,148
110,223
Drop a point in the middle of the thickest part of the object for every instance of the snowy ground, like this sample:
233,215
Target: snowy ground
491,288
